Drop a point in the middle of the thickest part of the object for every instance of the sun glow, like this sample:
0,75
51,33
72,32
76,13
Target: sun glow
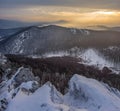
105,12
73,17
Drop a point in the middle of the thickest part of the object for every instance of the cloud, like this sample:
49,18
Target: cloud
64,12
67,16
104,4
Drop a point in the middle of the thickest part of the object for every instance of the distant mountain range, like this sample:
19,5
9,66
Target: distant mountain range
41,41
5,24
38,40
102,27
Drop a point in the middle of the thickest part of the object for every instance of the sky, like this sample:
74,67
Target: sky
72,13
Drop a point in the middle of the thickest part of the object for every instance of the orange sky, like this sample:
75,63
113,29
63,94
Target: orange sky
74,16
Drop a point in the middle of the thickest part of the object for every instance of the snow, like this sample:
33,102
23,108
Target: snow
45,98
112,47
3,59
44,25
85,32
1,38
41,100
17,72
51,54
73,52
91,94
8,89
28,85
56,54
92,57
18,43
84,94
21,51
73,30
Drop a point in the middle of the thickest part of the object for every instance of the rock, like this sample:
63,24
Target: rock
1,74
23,80
91,94
106,70
23,75
3,104
29,87
56,96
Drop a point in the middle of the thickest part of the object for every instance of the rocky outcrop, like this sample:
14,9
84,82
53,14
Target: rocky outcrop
84,95
22,81
29,87
106,70
22,75
3,104
91,94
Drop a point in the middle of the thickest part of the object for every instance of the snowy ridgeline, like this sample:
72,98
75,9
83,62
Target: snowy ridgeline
23,93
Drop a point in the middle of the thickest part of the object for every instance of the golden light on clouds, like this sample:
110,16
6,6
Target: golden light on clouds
88,18
74,17
105,12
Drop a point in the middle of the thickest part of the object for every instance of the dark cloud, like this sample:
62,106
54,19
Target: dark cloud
107,4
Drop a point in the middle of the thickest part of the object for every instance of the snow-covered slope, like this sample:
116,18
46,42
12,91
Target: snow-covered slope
91,94
41,100
93,57
96,58
40,40
23,93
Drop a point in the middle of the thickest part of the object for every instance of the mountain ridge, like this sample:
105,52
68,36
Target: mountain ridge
62,37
